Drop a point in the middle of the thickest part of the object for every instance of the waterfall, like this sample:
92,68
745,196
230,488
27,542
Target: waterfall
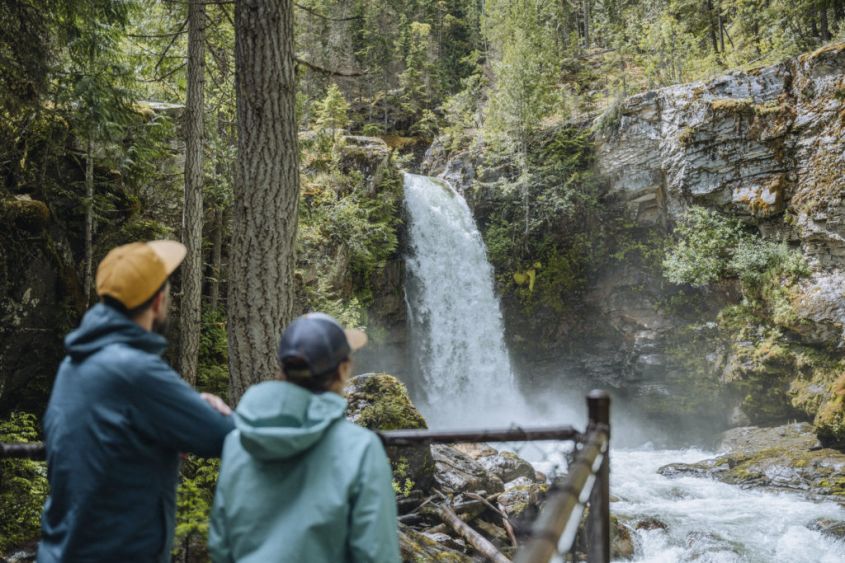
461,362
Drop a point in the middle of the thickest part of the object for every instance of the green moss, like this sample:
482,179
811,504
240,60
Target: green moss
686,136
24,213
388,406
732,106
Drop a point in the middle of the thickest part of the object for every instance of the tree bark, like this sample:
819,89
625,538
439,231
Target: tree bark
712,25
260,273
585,4
89,218
824,26
838,10
192,216
216,259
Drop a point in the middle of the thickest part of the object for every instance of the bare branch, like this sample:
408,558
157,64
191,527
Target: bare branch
169,45
318,68
324,17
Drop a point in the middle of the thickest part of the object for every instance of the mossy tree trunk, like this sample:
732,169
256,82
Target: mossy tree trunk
192,214
261,264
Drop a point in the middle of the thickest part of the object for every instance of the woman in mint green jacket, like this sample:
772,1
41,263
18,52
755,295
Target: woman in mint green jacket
298,482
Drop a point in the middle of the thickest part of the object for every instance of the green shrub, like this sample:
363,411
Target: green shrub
706,242
194,499
23,485
711,246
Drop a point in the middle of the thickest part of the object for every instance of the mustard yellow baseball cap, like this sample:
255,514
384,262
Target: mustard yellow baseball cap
132,273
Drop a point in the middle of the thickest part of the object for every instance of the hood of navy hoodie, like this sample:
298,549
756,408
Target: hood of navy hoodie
102,326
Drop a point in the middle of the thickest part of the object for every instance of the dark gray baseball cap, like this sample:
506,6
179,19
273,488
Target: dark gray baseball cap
318,341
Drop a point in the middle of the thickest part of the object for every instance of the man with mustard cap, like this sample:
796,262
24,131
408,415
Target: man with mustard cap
299,482
119,416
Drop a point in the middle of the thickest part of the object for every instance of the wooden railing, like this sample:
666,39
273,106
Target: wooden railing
586,484
554,531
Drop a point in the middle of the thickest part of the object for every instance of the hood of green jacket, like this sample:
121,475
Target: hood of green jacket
279,420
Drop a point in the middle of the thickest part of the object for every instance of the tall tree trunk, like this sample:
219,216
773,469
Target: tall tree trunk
585,6
838,10
260,273
89,218
192,215
824,26
216,259
814,28
711,25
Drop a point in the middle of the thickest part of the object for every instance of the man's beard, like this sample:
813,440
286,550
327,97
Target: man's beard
160,326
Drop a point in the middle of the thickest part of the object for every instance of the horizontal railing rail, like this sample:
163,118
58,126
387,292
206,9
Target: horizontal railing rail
511,434
555,530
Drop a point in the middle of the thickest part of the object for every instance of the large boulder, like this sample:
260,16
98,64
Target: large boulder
458,472
379,401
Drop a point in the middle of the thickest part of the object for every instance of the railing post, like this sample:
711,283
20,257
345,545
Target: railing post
598,528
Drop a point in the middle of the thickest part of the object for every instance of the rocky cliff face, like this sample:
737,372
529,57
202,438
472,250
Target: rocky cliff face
767,147
764,146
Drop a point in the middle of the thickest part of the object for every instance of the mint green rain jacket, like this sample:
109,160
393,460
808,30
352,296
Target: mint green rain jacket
299,483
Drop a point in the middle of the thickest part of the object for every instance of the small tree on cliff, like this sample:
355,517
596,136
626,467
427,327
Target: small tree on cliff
261,288
332,112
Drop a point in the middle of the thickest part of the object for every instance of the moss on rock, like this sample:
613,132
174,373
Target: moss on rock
25,213
379,401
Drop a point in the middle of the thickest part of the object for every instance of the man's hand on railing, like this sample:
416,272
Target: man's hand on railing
216,403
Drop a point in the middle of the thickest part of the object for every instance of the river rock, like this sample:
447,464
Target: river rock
650,523
457,472
830,528
507,466
752,438
785,458
446,540
416,547
522,494
379,401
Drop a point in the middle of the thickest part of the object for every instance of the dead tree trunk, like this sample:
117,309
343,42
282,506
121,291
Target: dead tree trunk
260,273
192,215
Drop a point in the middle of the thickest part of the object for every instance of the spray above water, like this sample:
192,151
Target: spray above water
463,372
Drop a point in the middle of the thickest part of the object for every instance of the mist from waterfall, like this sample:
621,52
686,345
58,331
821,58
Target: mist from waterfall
461,364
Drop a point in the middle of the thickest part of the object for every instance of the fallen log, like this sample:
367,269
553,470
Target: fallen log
476,540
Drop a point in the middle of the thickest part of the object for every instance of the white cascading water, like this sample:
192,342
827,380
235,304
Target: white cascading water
467,381
456,322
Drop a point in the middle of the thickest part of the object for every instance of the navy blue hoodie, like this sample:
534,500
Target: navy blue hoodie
117,419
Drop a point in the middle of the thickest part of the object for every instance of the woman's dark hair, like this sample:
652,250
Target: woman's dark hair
298,373
134,311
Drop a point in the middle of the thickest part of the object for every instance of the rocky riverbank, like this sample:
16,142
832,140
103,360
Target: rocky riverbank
783,458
